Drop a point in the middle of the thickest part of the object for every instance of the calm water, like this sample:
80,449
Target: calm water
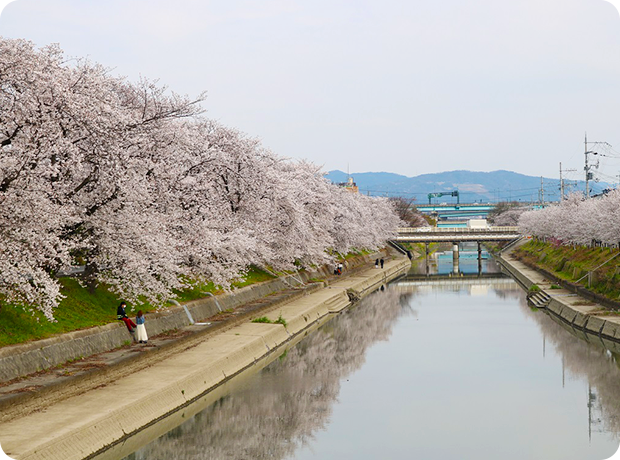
431,368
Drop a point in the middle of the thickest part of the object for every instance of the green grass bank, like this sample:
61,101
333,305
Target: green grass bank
81,309
597,269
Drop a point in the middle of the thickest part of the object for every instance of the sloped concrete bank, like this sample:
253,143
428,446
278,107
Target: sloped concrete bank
36,392
20,360
79,427
572,309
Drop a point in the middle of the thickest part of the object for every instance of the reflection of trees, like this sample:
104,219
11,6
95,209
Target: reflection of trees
291,398
586,356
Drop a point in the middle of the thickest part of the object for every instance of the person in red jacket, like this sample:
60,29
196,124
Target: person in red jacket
121,315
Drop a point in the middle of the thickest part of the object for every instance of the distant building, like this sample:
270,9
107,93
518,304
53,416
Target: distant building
349,185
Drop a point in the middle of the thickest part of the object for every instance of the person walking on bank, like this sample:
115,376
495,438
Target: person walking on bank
141,329
121,315
376,263
381,264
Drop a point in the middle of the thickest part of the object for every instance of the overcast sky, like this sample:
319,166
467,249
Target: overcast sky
405,86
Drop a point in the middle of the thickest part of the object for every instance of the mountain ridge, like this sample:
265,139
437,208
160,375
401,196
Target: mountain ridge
473,186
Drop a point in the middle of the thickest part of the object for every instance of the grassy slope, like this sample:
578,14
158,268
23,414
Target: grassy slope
571,264
81,309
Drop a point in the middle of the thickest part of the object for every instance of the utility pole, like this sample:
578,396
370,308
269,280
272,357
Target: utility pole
542,193
561,184
588,167
562,181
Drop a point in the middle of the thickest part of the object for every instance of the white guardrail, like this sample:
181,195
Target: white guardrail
434,230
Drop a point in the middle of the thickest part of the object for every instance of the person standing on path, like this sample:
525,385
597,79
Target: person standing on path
382,264
376,263
141,329
121,315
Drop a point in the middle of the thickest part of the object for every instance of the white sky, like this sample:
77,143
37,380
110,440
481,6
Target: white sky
405,86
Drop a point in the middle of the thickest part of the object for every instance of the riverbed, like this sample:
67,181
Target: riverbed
453,365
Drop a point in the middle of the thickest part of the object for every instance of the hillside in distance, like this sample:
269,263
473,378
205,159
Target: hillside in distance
473,186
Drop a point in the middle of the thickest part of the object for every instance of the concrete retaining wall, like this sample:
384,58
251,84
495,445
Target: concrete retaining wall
23,359
516,274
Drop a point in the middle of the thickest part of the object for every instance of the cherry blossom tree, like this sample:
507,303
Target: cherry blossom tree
78,155
130,182
506,214
577,220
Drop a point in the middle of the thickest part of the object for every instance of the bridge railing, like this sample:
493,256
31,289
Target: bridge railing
492,229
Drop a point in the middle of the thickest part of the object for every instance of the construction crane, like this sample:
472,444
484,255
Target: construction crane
438,194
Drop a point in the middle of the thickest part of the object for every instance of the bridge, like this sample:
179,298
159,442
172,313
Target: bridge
451,212
456,211
454,207
456,235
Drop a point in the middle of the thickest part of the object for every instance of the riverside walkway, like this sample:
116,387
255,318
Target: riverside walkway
79,426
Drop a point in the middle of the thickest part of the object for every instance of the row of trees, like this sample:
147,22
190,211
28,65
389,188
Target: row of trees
131,182
577,220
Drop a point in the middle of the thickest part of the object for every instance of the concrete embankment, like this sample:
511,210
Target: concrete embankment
23,359
78,427
572,309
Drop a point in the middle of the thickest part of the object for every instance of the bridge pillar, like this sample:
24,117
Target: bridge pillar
455,258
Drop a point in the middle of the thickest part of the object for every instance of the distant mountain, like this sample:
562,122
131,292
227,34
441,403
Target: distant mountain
473,186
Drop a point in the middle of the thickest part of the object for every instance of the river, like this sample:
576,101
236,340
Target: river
438,367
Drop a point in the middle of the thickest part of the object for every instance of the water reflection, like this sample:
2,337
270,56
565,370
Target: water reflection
584,356
465,370
445,262
472,275
587,357
292,398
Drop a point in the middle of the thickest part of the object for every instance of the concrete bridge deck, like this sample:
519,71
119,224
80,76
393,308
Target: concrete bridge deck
456,235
